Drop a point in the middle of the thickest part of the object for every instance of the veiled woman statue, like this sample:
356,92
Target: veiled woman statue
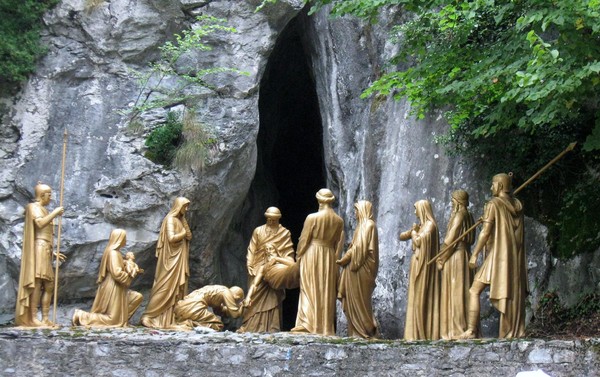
422,309
114,303
172,268
456,277
357,281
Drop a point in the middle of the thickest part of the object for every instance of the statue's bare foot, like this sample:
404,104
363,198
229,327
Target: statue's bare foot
469,334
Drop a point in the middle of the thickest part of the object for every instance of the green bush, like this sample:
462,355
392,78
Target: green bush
163,141
20,37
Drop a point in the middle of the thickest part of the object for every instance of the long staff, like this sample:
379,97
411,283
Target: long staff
62,189
448,248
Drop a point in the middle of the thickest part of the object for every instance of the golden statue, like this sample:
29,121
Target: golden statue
36,278
264,313
320,243
357,281
454,264
130,266
277,272
504,267
194,311
422,309
114,303
172,268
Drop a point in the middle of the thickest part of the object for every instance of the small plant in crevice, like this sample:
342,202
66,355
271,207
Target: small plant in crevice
163,141
197,145
171,78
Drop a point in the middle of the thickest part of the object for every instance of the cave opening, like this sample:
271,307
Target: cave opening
290,163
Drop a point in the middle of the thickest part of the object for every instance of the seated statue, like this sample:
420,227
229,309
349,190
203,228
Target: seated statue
204,306
114,303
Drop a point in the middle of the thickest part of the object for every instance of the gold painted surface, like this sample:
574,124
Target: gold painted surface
456,277
359,271
504,267
36,276
270,260
204,306
422,309
114,303
172,268
320,242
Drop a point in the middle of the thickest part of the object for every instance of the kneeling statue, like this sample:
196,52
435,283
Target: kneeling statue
204,306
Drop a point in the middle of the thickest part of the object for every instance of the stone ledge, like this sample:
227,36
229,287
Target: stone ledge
144,352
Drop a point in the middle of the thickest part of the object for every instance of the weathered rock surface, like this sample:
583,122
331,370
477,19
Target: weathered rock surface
371,149
137,352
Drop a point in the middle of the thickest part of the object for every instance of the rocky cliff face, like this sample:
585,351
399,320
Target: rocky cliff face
293,125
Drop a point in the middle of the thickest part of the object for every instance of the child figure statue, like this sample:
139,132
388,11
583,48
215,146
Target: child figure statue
130,266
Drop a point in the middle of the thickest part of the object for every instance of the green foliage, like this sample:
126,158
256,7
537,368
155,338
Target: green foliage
163,141
197,143
20,37
577,223
181,142
517,81
170,67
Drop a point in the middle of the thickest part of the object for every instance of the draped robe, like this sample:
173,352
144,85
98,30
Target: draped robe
264,315
456,278
357,280
114,304
505,268
172,270
36,261
422,308
199,307
320,239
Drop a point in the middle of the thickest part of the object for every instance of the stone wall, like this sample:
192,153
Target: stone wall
137,352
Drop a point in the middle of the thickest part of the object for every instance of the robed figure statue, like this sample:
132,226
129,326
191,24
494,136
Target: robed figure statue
422,308
357,281
114,303
172,268
320,242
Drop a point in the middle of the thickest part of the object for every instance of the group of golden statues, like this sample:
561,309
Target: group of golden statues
443,295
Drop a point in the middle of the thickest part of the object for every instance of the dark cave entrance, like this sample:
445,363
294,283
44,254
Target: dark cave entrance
290,165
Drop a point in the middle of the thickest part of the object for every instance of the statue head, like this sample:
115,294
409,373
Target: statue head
364,210
424,211
129,255
325,196
238,293
272,214
180,206
40,190
461,197
501,183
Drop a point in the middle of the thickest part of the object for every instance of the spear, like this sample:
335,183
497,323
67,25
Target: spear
62,189
449,247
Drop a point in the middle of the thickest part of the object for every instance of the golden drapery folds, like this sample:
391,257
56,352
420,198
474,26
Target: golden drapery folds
357,280
24,315
505,267
114,303
422,309
264,315
172,268
194,308
321,238
456,277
